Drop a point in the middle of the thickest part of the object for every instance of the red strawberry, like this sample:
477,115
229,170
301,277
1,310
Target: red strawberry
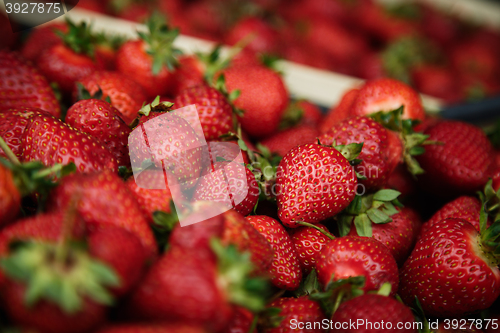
373,313
452,270
225,185
352,256
151,328
24,86
376,164
297,315
386,95
125,94
308,242
265,38
214,110
371,66
13,123
340,112
474,58
42,38
263,98
311,114
241,321
150,193
313,183
402,181
10,198
436,81
188,74
51,141
105,200
102,121
150,60
70,61
285,270
9,38
282,142
460,163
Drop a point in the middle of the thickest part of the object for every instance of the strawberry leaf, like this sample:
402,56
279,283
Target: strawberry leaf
386,195
363,225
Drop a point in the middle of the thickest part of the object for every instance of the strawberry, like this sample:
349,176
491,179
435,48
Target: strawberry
214,111
150,328
114,204
225,185
10,198
241,321
386,95
263,98
474,58
436,81
13,123
351,256
9,38
376,163
150,60
402,181
102,121
125,94
308,242
311,114
371,310
42,38
285,269
296,315
51,141
233,229
282,142
314,182
25,86
339,112
460,163
450,252
66,63
188,74
264,37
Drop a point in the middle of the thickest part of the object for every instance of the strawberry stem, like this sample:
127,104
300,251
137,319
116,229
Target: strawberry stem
317,228
12,157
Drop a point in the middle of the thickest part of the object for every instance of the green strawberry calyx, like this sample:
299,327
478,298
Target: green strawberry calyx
235,269
367,209
83,93
413,142
79,38
156,106
489,239
159,41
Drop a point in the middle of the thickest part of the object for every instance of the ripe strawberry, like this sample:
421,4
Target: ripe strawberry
150,193
310,113
351,256
263,98
214,111
402,181
42,38
376,163
188,74
313,183
339,112
370,311
151,328
285,269
9,38
308,242
461,163
125,94
225,185
474,58
453,269
436,81
102,121
10,198
72,60
13,123
282,142
265,38
241,321
51,141
150,60
24,86
104,200
386,95
299,311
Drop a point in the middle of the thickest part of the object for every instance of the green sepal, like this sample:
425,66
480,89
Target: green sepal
155,106
350,151
386,195
83,93
308,286
420,317
64,281
363,225
292,115
385,289
78,38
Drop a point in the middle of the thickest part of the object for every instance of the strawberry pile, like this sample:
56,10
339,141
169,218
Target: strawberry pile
375,212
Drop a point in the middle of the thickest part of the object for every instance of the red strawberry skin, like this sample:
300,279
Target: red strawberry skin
461,163
339,112
102,121
313,183
214,110
10,198
351,256
449,272
285,269
13,123
151,328
387,95
42,38
297,310
373,308
263,98
126,95
189,74
51,141
282,142
24,86
376,164
265,37
308,242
